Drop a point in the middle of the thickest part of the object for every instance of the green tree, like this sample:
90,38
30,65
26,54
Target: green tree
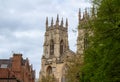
102,58
74,69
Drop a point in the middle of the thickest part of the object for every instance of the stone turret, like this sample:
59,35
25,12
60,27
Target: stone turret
62,22
57,21
46,23
66,23
52,22
79,16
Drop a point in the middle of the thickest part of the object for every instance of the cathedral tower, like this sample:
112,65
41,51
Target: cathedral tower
82,31
56,38
56,49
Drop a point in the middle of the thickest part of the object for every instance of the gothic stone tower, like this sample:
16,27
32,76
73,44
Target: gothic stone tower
56,50
82,32
84,29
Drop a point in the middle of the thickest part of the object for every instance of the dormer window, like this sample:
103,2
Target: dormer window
3,66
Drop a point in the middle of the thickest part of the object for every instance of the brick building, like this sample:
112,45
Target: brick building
17,67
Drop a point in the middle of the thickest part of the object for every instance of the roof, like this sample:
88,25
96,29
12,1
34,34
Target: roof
8,62
5,62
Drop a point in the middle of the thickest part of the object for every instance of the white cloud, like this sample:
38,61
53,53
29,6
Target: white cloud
29,34
2,38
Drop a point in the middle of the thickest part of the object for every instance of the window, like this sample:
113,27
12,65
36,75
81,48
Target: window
3,65
61,47
51,47
49,70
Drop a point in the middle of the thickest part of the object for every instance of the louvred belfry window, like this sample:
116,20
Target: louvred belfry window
52,47
61,47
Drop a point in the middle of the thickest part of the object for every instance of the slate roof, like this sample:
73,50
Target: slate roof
8,62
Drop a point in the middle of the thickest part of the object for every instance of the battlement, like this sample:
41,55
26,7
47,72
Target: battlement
87,15
57,25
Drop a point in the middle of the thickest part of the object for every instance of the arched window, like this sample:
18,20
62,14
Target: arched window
51,47
49,70
61,47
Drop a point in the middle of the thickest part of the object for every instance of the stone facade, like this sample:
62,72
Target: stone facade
56,50
82,38
17,67
56,47
84,31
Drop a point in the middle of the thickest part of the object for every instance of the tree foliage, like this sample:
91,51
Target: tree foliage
102,57
74,69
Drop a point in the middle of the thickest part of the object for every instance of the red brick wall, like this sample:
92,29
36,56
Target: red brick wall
19,71
4,72
16,62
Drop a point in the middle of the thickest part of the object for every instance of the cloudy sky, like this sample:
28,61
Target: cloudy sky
22,25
